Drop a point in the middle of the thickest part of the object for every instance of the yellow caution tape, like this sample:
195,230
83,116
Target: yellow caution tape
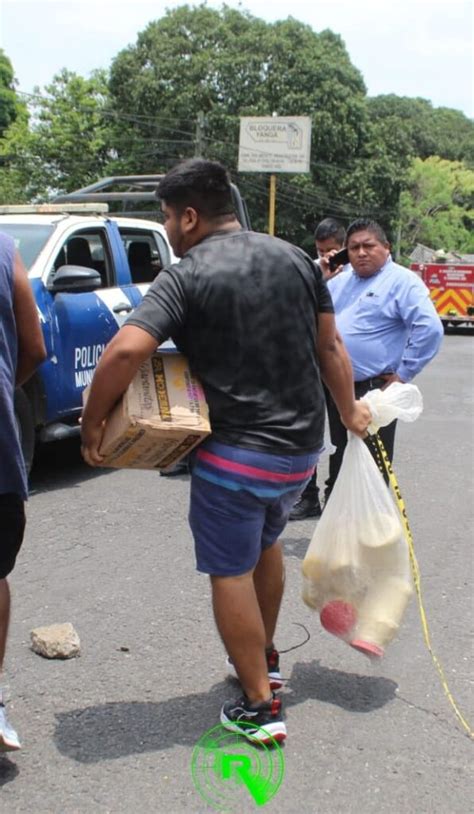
385,465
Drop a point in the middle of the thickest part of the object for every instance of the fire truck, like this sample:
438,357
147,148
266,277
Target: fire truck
451,288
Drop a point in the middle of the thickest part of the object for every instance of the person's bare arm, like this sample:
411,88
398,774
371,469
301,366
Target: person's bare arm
116,369
31,347
336,370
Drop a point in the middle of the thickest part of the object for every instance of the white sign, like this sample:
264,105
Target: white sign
275,144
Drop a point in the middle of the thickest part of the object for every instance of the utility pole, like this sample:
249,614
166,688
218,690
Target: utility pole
199,142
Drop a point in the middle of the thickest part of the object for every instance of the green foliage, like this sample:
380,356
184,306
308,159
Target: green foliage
15,165
10,106
70,134
229,64
437,207
13,132
66,143
224,64
414,128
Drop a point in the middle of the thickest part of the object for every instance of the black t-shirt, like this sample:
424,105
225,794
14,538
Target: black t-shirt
242,307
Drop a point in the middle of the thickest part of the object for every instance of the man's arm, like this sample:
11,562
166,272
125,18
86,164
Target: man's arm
31,347
336,370
116,369
425,330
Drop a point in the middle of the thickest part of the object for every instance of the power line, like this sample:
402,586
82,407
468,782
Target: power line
160,121
308,198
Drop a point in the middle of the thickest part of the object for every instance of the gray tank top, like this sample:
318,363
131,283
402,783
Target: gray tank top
12,466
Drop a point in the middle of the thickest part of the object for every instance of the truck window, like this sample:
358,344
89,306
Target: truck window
29,239
89,249
147,253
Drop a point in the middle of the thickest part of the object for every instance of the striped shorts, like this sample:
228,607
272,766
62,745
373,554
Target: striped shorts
240,502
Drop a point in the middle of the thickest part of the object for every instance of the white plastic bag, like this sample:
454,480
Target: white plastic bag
356,571
403,401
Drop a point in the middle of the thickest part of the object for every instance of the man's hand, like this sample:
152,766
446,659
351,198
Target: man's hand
324,265
389,378
358,421
91,440
116,369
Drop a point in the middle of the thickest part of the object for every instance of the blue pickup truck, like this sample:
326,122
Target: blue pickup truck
89,269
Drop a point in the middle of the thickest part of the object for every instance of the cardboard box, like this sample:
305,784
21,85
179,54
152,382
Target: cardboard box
159,419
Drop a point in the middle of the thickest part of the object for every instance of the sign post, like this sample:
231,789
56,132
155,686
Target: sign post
274,144
271,210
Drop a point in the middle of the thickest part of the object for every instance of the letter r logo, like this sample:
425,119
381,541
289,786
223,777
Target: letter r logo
240,764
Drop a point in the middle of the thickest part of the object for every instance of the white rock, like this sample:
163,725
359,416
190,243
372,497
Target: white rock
56,641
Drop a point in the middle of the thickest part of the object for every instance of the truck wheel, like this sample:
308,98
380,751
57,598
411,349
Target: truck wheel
26,427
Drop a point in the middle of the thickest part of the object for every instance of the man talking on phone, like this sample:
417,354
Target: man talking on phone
329,238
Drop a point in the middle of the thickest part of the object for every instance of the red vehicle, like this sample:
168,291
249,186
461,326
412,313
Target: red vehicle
451,288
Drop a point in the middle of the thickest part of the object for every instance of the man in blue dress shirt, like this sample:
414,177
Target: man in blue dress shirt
388,323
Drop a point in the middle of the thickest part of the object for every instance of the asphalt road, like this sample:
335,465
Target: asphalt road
114,730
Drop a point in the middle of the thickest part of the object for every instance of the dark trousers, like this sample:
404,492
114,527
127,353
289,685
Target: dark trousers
12,528
339,433
311,490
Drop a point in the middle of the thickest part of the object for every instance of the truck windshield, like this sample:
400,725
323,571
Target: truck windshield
29,238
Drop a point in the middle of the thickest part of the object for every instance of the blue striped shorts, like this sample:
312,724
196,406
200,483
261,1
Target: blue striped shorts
240,502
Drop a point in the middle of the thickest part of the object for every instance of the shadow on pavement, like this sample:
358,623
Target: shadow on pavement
350,691
8,771
59,465
115,730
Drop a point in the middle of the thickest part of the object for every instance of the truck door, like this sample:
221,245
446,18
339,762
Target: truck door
147,253
82,323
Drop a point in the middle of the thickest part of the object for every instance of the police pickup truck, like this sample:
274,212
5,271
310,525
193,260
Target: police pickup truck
88,269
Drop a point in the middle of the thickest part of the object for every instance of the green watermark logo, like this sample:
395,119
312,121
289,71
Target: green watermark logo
228,771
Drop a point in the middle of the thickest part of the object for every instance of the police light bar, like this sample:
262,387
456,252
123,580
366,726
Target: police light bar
55,209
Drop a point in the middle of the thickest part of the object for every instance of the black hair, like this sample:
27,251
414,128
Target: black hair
367,225
203,185
330,227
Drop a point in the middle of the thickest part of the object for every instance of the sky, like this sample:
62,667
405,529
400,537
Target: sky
413,48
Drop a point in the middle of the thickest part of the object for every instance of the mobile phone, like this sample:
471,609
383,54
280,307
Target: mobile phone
338,259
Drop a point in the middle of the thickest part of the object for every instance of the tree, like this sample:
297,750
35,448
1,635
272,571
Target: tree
10,106
13,132
181,89
70,133
16,168
437,208
413,127
229,64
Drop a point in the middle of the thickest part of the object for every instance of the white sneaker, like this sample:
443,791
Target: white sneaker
8,738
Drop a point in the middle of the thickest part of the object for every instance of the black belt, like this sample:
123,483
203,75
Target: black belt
372,384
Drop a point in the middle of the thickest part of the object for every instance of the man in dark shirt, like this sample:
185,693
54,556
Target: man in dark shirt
248,311
329,238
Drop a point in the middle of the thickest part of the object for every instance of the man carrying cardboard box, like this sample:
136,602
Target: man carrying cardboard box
254,318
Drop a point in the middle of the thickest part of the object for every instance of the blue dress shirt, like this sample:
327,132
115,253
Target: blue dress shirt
387,321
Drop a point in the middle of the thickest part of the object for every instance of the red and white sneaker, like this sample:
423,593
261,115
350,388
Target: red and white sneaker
273,662
259,723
